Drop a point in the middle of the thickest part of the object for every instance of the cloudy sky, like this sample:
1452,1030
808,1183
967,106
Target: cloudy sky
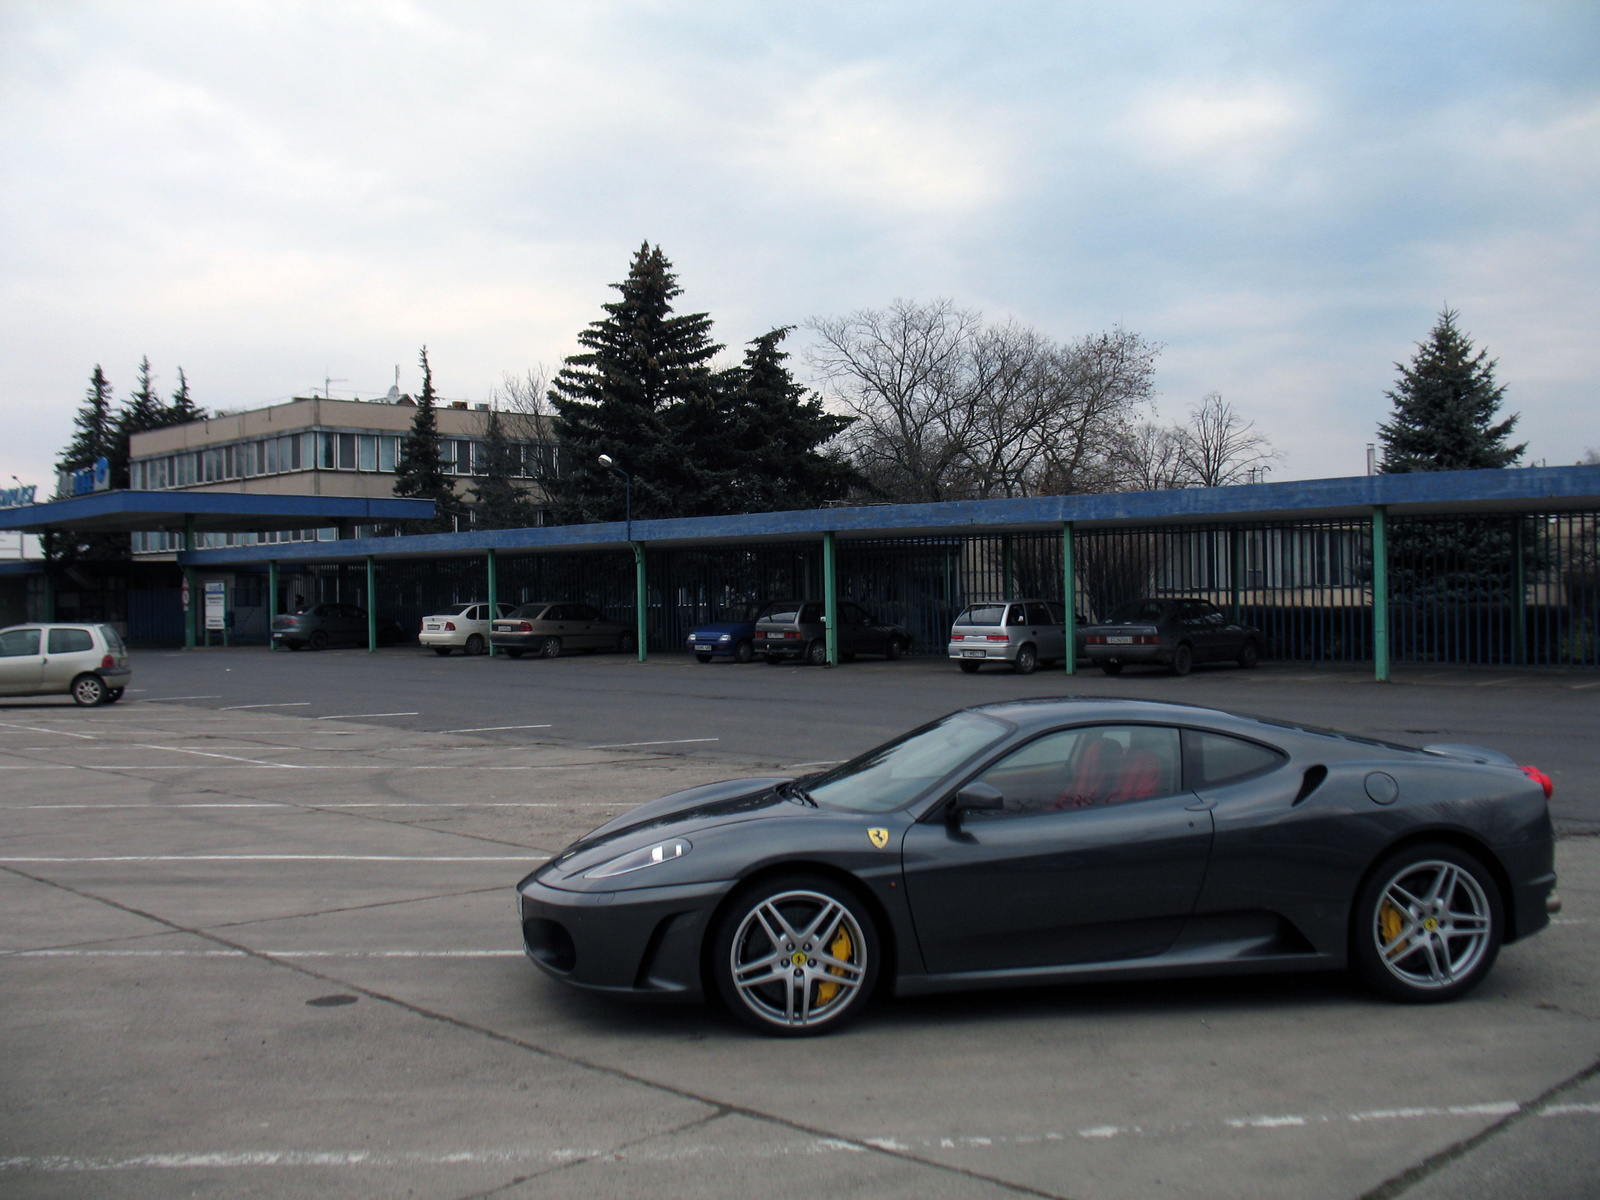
1284,196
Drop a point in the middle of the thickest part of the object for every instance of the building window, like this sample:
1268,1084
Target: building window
327,445
347,452
386,453
367,452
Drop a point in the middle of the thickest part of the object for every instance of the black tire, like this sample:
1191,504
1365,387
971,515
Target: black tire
787,904
550,648
894,650
1027,660
817,653
442,651
1183,659
512,652
774,660
318,640
1111,668
1457,907
969,668
1250,655
475,644
628,643
114,695
88,690
743,652
702,658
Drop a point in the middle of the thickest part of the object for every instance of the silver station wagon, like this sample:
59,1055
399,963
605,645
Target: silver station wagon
87,662
1022,633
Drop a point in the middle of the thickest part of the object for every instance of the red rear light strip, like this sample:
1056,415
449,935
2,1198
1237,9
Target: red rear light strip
1541,779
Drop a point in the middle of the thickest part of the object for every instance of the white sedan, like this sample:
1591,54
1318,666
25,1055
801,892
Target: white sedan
464,627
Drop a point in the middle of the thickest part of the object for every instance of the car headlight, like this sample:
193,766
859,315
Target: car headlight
725,637
637,860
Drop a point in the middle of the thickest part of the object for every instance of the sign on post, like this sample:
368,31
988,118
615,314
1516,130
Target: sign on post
216,604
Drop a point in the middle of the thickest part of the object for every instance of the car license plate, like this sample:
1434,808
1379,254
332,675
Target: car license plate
433,629
701,648
972,653
1119,641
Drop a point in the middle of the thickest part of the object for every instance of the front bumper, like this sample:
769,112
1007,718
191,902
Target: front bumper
638,942
709,646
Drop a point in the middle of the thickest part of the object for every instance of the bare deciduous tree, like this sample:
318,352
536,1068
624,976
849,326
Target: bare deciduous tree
526,413
1220,447
1150,458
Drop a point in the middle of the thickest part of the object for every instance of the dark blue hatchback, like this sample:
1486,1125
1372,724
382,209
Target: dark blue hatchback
733,639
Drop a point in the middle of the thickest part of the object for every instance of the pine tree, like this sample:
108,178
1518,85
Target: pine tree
141,412
418,473
642,392
183,409
95,425
776,431
501,503
1445,403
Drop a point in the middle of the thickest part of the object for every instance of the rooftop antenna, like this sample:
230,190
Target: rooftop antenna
327,383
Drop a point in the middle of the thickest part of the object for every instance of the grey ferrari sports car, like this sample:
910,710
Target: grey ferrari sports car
1052,841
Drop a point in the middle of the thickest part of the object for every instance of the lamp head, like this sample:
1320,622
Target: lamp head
605,461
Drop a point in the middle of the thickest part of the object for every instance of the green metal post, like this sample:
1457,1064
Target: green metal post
1519,604
372,606
1380,594
225,608
494,596
1235,570
1069,592
1005,565
189,618
830,598
641,601
272,601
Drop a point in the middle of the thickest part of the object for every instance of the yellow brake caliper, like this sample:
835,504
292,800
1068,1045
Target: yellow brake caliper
841,950
1389,923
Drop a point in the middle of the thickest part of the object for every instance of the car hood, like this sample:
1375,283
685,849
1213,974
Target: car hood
714,627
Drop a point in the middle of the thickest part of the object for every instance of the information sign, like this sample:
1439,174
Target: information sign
216,604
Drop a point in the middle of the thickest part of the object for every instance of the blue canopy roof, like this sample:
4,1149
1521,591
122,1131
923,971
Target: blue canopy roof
211,512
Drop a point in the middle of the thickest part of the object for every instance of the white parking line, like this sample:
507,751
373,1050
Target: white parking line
666,742
493,728
358,716
147,858
285,704
37,729
174,699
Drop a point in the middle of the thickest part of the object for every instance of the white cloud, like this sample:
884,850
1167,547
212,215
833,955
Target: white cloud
1229,135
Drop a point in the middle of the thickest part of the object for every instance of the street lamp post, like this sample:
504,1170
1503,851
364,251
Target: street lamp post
627,490
640,595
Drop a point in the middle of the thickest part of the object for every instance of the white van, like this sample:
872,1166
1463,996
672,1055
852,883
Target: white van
87,662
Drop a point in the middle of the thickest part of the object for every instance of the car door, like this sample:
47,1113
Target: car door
1046,631
856,634
1098,855
68,652
352,625
21,662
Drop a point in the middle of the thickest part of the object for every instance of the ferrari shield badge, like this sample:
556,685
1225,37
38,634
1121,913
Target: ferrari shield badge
880,837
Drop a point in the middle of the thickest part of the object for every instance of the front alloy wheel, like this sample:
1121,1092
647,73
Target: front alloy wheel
743,652
1429,924
89,690
796,956
628,643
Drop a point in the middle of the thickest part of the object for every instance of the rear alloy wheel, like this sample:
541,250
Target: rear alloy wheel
817,653
114,695
1027,660
318,640
895,650
1428,924
1250,656
550,648
970,668
628,643
796,955
89,690
702,658
743,652
1182,660
474,645
442,651
1111,668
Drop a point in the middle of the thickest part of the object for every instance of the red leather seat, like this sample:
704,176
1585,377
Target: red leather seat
1099,767
1138,779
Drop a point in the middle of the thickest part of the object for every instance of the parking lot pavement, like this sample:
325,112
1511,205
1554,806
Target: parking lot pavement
253,954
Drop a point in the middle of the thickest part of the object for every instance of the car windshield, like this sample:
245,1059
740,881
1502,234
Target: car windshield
785,614
893,775
113,642
1136,612
460,610
987,614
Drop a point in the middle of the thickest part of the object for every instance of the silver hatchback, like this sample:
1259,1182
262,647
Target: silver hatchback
1022,633
87,662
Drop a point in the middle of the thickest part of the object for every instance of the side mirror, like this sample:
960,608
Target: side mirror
976,797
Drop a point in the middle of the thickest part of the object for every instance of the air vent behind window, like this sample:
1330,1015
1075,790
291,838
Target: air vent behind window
1312,781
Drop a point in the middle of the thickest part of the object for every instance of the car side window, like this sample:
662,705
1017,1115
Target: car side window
1058,613
811,614
1016,615
19,643
1039,614
1210,759
70,641
856,615
475,613
1088,767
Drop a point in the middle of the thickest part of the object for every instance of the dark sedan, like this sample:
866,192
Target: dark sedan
1053,841
318,626
1172,633
797,631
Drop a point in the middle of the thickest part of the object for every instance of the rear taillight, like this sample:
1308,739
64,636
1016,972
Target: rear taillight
526,627
108,662
450,626
1095,639
791,633
999,637
1147,639
1541,779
